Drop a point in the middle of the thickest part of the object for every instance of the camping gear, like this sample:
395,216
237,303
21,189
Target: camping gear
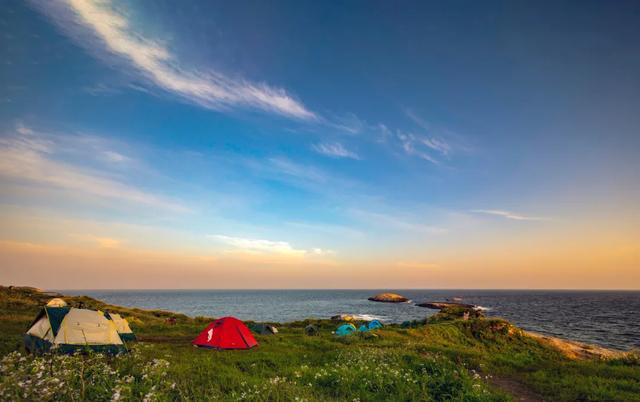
122,326
226,333
263,329
68,329
345,329
413,324
311,330
375,324
343,317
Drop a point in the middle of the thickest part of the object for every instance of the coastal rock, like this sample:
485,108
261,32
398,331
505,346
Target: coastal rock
441,305
389,298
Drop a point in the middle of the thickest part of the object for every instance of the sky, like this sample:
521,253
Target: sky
310,144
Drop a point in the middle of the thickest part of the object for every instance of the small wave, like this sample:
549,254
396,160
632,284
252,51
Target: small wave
482,308
368,317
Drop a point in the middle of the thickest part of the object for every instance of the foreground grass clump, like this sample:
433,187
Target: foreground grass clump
446,358
361,374
84,377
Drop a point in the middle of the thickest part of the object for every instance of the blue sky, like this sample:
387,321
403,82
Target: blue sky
354,134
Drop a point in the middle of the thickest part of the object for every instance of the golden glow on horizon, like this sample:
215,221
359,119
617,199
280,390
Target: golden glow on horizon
45,251
563,266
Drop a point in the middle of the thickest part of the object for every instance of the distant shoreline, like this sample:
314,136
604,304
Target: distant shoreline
339,289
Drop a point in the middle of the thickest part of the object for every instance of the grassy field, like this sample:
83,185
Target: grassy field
445,359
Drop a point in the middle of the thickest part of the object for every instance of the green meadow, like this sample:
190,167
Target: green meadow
442,359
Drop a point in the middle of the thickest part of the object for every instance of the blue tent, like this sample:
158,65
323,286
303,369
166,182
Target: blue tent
363,328
375,324
346,329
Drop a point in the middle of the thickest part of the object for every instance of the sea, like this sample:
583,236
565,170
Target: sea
606,318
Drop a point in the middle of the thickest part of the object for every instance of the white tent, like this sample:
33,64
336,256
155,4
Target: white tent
68,329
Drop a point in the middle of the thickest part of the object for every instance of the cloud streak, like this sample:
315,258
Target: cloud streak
335,150
395,222
262,246
31,157
415,145
508,215
431,143
112,33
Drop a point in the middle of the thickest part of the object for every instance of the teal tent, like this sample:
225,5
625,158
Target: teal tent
375,324
345,329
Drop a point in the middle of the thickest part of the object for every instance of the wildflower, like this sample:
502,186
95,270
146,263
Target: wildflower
116,395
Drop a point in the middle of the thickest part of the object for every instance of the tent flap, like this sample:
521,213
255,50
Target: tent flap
56,315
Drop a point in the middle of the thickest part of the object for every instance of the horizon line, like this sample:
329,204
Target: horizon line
373,289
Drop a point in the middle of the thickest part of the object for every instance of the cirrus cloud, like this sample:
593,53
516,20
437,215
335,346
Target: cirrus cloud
508,215
335,150
99,26
33,158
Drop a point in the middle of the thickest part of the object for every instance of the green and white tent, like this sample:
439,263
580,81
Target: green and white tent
66,329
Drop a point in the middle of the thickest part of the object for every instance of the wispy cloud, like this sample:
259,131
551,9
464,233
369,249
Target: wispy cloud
395,222
327,229
436,144
508,215
295,173
335,150
113,156
415,145
286,167
266,246
100,241
419,121
31,157
430,143
349,123
101,89
98,25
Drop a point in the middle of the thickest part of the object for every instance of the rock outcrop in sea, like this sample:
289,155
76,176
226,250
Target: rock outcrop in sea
389,298
441,305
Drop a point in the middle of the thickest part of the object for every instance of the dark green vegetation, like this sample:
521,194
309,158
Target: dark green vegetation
445,359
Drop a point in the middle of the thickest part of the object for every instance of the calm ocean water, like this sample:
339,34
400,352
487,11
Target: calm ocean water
607,318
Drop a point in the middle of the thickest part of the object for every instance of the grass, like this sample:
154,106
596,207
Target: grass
445,359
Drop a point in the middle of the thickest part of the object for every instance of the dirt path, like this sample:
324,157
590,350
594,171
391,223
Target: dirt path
165,339
518,390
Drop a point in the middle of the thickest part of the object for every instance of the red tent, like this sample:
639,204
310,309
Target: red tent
226,333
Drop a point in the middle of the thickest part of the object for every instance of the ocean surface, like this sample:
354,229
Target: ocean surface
607,318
